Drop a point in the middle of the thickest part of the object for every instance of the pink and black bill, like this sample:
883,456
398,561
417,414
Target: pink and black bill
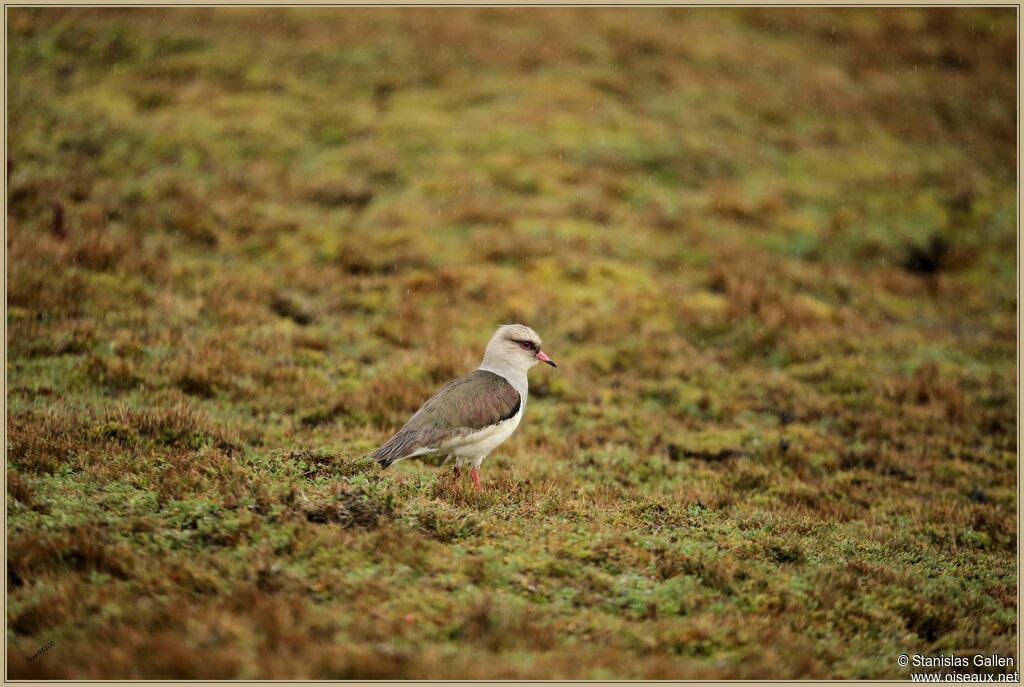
541,355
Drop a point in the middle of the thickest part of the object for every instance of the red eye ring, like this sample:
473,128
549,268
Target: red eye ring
526,345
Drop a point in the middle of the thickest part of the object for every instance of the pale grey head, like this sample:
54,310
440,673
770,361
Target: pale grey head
514,347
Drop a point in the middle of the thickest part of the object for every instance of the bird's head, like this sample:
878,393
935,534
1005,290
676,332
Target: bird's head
518,346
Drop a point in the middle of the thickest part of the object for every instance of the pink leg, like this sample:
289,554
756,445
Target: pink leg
475,474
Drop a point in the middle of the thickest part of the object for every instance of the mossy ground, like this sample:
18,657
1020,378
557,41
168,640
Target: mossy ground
773,252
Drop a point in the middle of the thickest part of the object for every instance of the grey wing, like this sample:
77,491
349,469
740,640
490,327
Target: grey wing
466,405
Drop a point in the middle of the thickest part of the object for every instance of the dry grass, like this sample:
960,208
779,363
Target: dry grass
771,250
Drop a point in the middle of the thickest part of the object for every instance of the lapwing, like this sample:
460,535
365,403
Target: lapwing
467,418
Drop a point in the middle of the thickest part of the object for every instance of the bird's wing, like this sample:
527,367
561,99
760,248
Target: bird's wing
468,404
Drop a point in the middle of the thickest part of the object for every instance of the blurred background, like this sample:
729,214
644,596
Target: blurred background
772,251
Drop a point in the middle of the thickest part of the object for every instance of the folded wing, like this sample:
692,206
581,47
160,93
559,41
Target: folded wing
461,408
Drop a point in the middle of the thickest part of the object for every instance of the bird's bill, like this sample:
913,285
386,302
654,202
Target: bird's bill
543,357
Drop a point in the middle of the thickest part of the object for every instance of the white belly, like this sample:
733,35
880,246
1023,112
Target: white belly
473,448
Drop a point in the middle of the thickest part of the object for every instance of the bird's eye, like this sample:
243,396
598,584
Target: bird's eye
526,344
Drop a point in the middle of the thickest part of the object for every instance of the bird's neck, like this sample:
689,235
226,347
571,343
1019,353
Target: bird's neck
516,376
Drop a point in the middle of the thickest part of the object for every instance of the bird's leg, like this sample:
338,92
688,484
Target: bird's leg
475,474
458,471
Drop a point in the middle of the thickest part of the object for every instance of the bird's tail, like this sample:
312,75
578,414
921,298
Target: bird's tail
394,452
391,451
383,460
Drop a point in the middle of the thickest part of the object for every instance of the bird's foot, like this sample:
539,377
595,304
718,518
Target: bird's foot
475,474
457,471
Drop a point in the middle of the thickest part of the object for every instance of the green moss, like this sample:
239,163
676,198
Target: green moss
781,295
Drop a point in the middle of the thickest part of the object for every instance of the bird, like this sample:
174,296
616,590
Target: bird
469,417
